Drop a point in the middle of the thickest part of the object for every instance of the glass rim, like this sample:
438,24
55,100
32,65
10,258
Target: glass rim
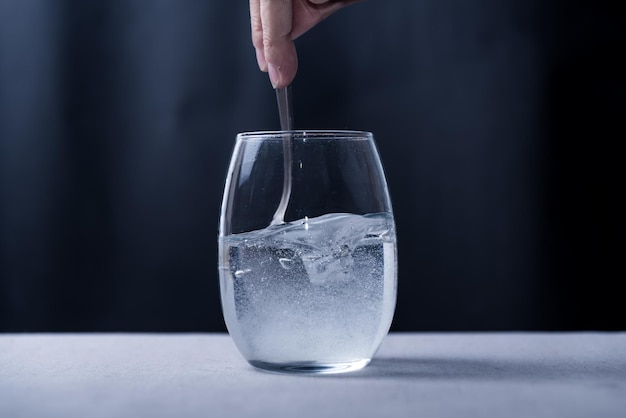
308,133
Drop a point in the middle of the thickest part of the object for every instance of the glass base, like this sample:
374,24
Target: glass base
310,367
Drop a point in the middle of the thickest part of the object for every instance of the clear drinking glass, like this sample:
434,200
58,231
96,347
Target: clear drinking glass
314,292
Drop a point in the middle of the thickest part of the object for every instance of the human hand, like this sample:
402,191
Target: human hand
276,23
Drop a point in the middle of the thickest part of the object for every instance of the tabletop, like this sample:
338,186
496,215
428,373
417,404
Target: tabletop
413,374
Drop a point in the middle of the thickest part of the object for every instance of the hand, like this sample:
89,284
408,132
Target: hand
276,23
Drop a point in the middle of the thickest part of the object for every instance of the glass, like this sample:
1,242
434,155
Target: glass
317,292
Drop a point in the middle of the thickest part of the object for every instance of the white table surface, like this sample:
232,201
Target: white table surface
413,375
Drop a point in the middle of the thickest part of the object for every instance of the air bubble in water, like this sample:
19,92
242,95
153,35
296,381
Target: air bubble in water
286,263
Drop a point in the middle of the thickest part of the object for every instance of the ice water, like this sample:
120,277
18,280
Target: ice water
319,290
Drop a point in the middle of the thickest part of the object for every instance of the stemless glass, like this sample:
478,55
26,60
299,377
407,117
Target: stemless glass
314,292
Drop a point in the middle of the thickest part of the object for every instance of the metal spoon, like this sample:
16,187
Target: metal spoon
285,112
285,108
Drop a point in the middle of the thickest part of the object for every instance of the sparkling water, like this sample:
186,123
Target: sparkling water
317,290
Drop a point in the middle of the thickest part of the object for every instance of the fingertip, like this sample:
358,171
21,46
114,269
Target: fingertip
274,74
282,75
279,76
260,59
282,63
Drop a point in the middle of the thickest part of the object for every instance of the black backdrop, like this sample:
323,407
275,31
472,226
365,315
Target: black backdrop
497,122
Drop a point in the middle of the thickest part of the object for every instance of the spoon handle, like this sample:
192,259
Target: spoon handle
285,108
285,112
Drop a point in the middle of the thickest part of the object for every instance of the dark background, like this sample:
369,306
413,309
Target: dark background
498,122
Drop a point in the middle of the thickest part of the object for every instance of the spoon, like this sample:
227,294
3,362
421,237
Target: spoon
285,113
